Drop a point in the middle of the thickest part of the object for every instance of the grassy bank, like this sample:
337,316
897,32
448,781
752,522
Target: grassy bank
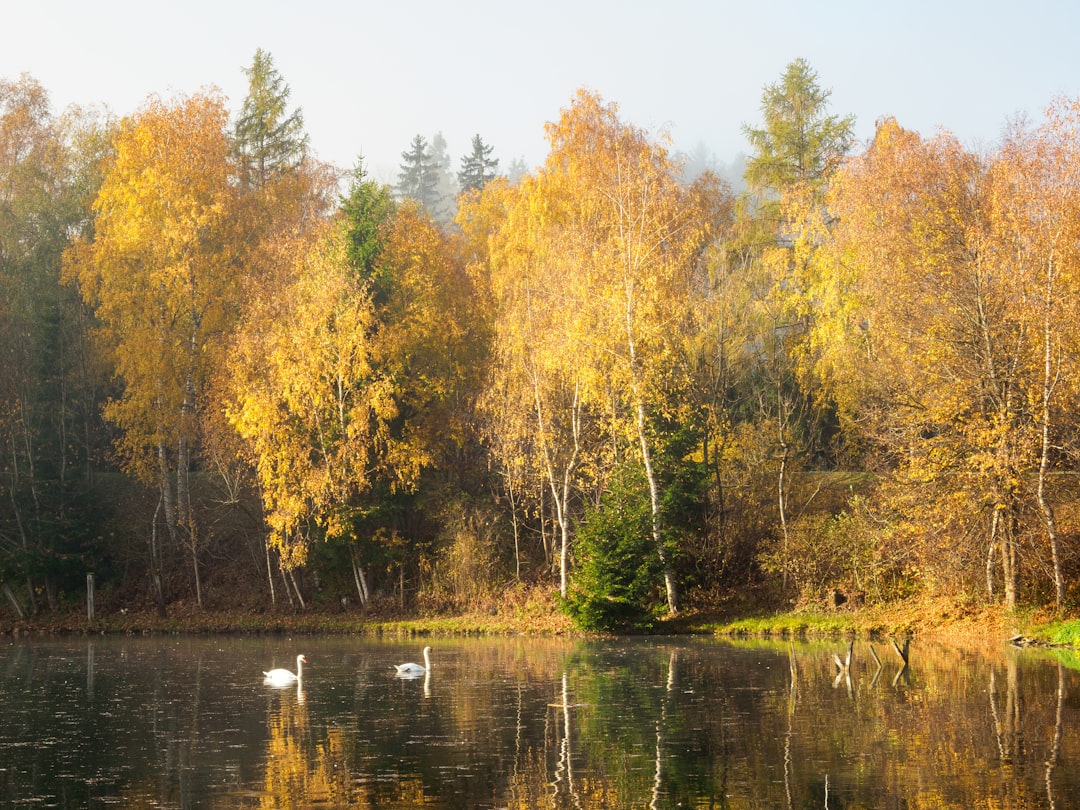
521,611
941,620
537,613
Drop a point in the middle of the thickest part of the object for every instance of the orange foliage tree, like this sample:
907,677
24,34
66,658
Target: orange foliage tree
1035,205
951,348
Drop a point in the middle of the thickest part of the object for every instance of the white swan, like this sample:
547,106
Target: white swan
416,669
282,677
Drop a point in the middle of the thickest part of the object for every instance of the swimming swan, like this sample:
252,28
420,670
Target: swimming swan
416,669
282,677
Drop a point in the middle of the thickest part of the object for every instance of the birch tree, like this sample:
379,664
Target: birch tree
307,400
602,248
161,275
538,394
944,351
1035,200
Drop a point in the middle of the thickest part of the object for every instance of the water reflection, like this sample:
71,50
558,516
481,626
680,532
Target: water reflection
516,723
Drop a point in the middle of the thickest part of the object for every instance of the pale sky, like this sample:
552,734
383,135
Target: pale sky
369,76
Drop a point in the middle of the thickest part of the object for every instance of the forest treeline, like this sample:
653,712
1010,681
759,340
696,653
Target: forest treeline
235,375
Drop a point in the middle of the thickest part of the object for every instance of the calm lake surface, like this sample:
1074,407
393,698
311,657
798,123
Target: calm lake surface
524,723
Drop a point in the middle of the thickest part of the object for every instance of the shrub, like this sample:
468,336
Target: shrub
832,553
615,582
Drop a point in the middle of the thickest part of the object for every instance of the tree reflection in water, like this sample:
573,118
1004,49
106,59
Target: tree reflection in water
1055,746
526,724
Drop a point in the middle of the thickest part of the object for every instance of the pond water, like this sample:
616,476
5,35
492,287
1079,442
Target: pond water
187,721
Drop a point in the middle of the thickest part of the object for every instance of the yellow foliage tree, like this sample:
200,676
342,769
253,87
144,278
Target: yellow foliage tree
308,401
161,274
537,399
591,273
430,338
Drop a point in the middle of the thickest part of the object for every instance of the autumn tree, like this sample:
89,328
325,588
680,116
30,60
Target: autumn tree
160,274
433,338
268,138
428,326
646,234
592,270
1034,193
293,230
308,401
537,400
528,456
346,372
284,192
946,307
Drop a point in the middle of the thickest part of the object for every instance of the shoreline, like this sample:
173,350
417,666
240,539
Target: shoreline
945,622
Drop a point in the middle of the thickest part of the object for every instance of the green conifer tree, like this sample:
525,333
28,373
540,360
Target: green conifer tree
267,138
477,168
419,178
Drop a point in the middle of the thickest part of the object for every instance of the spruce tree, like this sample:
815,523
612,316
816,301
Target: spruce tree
445,183
419,177
477,168
365,209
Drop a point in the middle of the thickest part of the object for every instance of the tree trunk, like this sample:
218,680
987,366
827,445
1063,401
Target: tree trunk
296,589
1049,383
269,572
560,489
544,544
24,540
167,503
1008,561
185,516
514,525
670,586
195,569
359,578
781,499
288,590
155,562
990,556
10,594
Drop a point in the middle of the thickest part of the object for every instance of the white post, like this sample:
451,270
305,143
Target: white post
90,597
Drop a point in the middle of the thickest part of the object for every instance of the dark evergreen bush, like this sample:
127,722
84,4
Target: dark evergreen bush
615,584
